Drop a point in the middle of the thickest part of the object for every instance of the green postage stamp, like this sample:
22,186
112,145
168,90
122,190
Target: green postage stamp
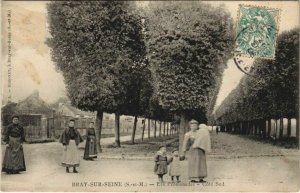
257,29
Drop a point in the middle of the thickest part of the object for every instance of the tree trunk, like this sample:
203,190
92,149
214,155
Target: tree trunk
187,125
242,130
99,118
143,131
297,130
159,129
255,127
155,128
258,128
134,129
275,128
251,128
117,130
164,128
182,129
269,127
167,128
280,128
244,127
289,127
173,127
263,125
149,126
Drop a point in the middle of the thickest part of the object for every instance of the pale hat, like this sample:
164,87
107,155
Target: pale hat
193,121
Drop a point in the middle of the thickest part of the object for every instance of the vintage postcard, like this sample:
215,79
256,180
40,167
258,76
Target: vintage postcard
150,96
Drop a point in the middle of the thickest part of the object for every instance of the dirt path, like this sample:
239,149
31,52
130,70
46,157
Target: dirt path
277,172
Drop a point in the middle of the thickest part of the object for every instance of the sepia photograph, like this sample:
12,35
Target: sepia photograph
150,96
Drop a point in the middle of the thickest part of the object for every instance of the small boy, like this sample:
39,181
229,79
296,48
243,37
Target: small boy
175,165
161,163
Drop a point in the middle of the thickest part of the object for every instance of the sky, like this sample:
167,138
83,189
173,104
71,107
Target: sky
32,68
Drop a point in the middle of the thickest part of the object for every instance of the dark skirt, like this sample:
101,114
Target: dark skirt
14,160
161,167
196,164
90,150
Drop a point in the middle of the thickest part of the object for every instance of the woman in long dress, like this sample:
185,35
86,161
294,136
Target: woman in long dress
195,144
90,150
70,140
14,136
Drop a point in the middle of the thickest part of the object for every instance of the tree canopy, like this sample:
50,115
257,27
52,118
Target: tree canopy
96,45
272,91
188,46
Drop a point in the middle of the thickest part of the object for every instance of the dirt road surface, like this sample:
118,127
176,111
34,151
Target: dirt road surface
236,164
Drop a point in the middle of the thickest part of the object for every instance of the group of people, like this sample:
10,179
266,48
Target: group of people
14,136
196,144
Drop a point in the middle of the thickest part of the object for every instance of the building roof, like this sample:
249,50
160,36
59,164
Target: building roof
69,110
33,104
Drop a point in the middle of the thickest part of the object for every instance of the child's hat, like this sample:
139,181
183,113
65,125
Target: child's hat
161,146
15,116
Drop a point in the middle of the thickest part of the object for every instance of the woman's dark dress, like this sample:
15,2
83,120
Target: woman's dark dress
197,167
90,150
14,160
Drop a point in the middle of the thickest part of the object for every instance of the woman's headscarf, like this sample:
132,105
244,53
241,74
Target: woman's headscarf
202,138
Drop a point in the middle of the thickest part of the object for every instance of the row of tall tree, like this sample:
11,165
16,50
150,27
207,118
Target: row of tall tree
160,128
159,62
271,93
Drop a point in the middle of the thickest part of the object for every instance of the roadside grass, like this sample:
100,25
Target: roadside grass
147,147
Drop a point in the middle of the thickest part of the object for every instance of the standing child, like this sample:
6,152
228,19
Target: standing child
175,165
161,163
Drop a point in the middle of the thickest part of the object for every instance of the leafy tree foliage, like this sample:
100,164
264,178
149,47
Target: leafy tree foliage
97,46
188,45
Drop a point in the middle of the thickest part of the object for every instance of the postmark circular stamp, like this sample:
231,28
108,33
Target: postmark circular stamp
256,35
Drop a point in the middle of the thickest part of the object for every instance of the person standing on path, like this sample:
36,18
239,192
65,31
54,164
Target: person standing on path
14,136
90,150
70,140
175,166
161,163
196,143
